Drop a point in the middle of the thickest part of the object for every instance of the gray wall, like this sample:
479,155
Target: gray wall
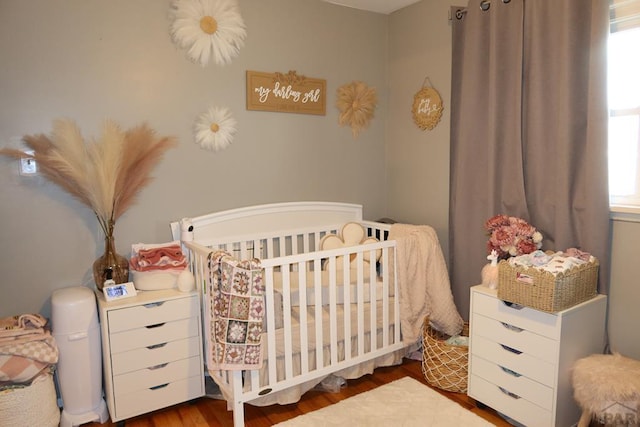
91,59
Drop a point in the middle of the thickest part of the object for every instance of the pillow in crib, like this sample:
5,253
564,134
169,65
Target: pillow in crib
351,234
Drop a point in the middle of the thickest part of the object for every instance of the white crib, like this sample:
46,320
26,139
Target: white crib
320,319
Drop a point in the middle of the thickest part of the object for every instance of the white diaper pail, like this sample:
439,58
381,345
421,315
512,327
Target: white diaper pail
75,326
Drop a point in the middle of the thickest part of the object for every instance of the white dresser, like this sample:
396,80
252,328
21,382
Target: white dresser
520,359
152,351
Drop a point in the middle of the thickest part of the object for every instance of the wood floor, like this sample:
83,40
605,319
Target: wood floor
212,412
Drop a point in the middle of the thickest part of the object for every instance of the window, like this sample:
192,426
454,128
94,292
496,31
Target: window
624,104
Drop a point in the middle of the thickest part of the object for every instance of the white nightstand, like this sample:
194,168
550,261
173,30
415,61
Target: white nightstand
152,351
520,358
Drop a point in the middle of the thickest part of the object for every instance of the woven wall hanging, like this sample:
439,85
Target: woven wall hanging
427,107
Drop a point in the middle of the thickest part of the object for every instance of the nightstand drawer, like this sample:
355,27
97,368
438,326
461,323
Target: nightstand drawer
521,385
157,375
154,334
152,314
506,402
141,401
512,336
538,322
510,358
132,360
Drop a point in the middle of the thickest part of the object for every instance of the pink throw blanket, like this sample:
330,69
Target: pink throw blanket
234,312
26,348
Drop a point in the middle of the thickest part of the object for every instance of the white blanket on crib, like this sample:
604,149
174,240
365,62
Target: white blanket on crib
423,281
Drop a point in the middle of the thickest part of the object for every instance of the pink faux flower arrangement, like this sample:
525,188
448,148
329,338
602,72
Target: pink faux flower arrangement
511,236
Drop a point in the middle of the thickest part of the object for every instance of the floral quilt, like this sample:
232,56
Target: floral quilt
235,312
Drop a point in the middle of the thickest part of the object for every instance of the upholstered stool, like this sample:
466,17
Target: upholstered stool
609,385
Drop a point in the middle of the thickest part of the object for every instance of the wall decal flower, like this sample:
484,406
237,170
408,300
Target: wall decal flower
357,103
207,28
214,129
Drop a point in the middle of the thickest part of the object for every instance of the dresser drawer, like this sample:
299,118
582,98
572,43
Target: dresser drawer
157,375
154,334
538,322
152,314
522,386
140,401
513,406
140,358
522,363
512,336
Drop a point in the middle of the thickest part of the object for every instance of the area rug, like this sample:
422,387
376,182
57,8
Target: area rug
404,402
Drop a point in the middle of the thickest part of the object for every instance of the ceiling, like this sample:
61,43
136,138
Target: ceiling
379,6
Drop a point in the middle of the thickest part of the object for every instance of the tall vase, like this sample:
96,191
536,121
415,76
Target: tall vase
110,265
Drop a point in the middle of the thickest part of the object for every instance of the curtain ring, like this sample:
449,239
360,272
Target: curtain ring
506,1
485,5
460,13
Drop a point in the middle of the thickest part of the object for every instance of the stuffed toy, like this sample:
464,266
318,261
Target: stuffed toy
351,234
490,271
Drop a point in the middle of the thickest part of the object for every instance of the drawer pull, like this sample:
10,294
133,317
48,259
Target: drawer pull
510,372
157,387
511,327
513,305
160,366
512,350
508,393
155,346
157,325
153,304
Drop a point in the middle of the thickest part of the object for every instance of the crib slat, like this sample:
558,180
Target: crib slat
346,268
360,299
317,286
271,325
286,311
385,298
303,319
373,318
302,295
333,321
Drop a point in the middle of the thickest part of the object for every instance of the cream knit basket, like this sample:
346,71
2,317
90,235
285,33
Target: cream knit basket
35,405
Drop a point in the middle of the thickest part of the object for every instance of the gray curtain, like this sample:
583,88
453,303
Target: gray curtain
528,128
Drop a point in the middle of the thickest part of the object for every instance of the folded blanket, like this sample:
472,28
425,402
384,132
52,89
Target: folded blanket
26,348
157,257
423,281
234,312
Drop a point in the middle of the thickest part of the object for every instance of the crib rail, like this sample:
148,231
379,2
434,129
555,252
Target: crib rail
325,310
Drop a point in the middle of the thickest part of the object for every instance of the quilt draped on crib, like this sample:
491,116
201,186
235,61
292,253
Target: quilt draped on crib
234,312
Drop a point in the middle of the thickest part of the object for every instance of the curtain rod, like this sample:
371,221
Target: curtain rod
484,5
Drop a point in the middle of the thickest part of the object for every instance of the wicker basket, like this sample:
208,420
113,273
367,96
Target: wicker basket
444,365
545,291
34,405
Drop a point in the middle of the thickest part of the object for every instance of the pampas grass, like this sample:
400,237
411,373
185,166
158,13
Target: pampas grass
106,174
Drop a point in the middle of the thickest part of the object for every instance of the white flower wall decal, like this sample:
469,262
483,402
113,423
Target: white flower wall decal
214,129
207,28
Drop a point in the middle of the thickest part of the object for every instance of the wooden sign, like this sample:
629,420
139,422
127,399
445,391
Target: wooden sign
427,108
286,93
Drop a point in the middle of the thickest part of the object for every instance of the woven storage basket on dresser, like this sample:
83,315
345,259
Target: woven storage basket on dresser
34,405
544,291
444,365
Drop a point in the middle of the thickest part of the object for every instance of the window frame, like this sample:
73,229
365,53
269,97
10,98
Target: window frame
625,15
